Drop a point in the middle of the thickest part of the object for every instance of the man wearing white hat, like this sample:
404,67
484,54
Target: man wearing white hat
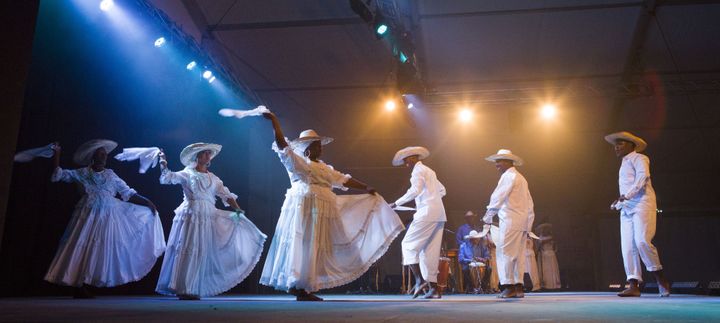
421,245
638,212
512,202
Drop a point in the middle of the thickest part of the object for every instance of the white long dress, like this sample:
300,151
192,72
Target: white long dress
323,240
108,242
209,250
549,264
531,265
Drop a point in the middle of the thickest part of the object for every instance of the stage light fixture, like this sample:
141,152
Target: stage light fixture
160,42
207,74
465,115
191,65
106,5
390,105
410,106
381,29
212,79
548,111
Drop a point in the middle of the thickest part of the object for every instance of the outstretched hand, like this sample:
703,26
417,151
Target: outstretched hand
371,190
56,148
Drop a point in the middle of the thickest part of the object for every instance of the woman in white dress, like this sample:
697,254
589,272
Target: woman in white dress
108,242
548,258
209,250
323,240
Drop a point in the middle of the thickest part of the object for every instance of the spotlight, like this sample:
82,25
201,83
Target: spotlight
390,105
548,111
207,74
465,115
381,29
160,42
212,79
106,5
410,106
191,65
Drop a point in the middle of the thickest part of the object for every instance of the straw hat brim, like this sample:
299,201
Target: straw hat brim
83,155
187,155
517,161
640,144
421,152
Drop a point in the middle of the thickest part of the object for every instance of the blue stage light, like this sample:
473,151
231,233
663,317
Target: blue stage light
106,5
381,29
191,65
212,79
160,42
207,75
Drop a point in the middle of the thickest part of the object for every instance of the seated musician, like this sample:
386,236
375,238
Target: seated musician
473,257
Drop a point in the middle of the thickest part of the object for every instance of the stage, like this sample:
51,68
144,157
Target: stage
567,306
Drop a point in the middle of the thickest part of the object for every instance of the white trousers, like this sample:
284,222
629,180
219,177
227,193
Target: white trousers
511,256
637,229
421,245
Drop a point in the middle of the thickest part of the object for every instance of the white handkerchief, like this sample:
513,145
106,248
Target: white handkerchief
30,154
244,113
148,156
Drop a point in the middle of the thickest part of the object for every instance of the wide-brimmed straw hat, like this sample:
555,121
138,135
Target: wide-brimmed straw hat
476,235
505,154
189,153
640,144
83,155
306,137
421,152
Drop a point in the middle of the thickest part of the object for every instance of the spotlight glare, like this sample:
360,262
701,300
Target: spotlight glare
191,65
106,5
207,74
465,115
410,105
390,105
548,111
381,29
160,42
212,79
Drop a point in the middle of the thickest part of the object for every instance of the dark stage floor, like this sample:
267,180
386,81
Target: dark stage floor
393,308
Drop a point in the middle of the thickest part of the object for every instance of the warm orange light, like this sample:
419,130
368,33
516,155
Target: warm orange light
548,111
465,115
390,105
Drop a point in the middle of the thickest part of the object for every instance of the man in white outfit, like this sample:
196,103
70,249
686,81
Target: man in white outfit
512,202
421,245
638,213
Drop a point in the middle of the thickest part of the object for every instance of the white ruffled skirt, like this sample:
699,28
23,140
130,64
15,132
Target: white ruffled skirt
550,269
107,243
323,241
209,250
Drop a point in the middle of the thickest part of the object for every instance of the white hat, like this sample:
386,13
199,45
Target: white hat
307,137
189,153
421,152
640,144
507,155
83,155
476,235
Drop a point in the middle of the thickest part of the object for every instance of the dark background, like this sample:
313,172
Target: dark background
91,76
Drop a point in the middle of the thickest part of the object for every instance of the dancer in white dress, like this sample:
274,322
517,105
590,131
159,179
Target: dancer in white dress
209,250
108,242
323,240
549,268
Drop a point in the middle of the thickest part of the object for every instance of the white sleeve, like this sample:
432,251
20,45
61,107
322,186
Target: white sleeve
223,192
169,177
417,182
503,189
63,175
122,188
642,175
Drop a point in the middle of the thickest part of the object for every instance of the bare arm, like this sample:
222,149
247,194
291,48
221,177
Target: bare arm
141,200
279,136
356,184
56,156
235,205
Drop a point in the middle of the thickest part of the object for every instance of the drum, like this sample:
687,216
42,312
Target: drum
444,272
451,253
477,272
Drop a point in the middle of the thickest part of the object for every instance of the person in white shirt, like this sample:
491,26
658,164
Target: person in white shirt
638,213
421,245
512,203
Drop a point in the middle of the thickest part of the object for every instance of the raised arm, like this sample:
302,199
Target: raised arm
356,184
279,136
